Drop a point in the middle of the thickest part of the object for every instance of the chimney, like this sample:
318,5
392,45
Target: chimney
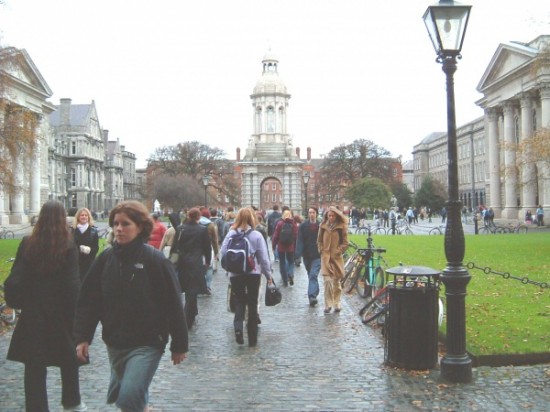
308,154
238,154
65,112
298,152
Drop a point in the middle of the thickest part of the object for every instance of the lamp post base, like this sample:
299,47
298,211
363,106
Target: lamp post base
456,369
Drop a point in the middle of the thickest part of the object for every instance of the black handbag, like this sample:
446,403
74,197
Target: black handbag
273,295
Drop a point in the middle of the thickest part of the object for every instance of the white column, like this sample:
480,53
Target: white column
4,218
528,178
494,161
35,168
510,175
18,198
544,176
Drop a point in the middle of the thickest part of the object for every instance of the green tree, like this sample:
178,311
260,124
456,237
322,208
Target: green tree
431,194
402,194
347,163
369,192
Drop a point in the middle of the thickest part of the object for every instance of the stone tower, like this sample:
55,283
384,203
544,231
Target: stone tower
270,155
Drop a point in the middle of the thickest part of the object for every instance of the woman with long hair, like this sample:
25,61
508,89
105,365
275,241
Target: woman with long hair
132,289
86,239
246,287
47,263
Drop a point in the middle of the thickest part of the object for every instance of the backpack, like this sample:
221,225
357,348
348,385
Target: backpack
237,258
286,236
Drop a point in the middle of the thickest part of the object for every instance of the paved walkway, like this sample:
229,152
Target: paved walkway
305,361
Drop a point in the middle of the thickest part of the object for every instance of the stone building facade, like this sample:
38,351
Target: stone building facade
73,160
270,172
516,102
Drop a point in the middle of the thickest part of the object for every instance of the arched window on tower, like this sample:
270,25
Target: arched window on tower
259,120
270,120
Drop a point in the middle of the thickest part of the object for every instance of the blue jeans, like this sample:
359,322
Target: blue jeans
209,273
313,267
132,371
286,266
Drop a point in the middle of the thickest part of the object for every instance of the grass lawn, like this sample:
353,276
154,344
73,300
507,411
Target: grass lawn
503,316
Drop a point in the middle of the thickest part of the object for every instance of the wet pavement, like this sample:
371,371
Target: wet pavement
305,361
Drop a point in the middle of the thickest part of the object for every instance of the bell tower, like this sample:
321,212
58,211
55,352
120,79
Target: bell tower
270,153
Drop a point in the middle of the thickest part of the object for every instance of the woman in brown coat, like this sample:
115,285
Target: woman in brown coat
332,242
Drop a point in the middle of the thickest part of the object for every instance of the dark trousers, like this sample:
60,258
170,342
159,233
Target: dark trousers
246,289
36,396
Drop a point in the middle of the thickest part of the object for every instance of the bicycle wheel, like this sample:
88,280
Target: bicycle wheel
378,282
379,231
435,231
7,314
362,285
521,229
8,234
375,308
484,230
350,280
407,231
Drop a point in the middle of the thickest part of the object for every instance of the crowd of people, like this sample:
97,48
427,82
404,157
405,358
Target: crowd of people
143,287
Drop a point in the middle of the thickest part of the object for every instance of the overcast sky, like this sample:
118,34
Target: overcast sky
171,71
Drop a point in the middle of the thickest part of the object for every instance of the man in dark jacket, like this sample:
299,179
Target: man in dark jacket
306,247
272,220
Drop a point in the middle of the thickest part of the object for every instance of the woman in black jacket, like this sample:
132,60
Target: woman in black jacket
133,291
47,268
86,239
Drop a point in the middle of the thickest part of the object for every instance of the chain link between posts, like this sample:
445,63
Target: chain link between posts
506,275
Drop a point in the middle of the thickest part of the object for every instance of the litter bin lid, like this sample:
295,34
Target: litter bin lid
413,271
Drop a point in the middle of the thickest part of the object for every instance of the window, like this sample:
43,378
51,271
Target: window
73,148
274,186
73,177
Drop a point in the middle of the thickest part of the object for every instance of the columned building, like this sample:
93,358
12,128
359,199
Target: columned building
270,171
23,109
516,102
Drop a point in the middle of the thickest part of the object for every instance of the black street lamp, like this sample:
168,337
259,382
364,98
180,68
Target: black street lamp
205,181
446,23
306,177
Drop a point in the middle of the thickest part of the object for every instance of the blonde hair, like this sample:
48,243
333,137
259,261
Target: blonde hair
245,217
79,212
287,214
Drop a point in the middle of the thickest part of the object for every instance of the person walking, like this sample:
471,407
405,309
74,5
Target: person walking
132,289
284,240
195,254
213,236
170,234
332,242
246,287
46,265
272,219
540,216
306,248
86,238
155,238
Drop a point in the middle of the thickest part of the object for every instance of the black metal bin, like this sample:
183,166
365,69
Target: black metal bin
412,321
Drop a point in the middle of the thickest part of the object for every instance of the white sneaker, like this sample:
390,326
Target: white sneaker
78,408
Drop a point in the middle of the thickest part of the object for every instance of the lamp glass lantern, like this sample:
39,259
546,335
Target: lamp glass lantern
446,23
205,181
306,178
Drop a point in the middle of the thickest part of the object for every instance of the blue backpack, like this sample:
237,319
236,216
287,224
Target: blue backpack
237,258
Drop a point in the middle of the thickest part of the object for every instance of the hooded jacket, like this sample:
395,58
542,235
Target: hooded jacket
332,242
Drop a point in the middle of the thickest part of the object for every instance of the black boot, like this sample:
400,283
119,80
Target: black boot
252,330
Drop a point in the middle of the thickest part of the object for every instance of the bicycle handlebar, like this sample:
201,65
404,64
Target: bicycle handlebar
373,249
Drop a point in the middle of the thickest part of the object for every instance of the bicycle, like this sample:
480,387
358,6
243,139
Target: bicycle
377,308
438,230
7,314
104,233
5,233
364,271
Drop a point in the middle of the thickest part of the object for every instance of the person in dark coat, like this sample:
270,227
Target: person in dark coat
47,263
195,250
86,238
306,247
132,289
286,252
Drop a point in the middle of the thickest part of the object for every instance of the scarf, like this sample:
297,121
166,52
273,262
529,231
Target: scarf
83,228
